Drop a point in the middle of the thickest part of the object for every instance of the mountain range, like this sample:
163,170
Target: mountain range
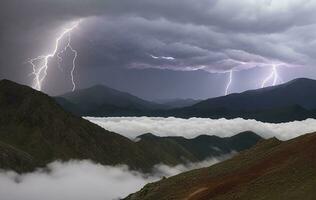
35,130
294,100
271,170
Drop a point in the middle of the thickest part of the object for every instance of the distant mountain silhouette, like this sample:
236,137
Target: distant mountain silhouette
295,100
301,92
103,101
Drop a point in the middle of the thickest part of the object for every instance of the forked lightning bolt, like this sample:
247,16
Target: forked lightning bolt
273,75
40,63
229,81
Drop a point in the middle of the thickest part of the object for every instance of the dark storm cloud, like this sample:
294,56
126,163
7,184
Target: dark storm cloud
246,15
134,39
213,35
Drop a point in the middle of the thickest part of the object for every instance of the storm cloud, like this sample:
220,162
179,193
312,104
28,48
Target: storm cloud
210,35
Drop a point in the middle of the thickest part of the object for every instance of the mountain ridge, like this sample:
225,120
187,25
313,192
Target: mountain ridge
178,102
294,100
294,84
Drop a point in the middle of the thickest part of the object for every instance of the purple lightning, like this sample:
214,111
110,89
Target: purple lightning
229,81
40,63
162,57
273,75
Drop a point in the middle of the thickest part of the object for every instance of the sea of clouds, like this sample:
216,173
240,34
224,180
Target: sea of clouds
133,126
83,180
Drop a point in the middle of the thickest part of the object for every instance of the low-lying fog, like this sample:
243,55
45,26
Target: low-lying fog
133,126
82,180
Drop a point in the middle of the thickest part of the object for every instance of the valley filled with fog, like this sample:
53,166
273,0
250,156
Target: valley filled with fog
82,180
132,127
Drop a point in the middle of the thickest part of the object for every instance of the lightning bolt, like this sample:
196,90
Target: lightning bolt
162,57
229,81
40,63
273,75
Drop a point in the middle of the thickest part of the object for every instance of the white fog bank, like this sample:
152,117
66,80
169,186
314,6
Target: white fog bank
83,180
133,126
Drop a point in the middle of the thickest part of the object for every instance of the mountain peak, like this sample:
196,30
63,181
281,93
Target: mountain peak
300,81
246,134
100,100
147,136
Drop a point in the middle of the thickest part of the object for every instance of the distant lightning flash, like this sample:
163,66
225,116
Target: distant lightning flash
40,63
162,57
229,82
273,75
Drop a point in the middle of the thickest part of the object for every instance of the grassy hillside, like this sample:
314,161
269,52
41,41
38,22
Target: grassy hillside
271,170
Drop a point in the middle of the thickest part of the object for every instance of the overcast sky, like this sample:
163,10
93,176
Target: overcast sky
161,49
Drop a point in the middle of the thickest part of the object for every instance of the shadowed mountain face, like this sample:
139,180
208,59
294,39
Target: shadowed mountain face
100,100
35,130
270,170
